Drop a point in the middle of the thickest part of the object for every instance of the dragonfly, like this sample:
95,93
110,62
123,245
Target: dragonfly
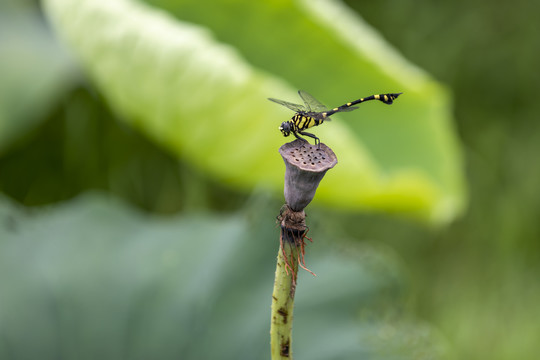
313,113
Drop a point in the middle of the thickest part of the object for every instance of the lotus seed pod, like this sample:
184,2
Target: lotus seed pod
305,166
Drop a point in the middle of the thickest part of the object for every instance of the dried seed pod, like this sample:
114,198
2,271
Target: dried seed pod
305,166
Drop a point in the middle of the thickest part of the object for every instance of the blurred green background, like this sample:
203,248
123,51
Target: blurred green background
140,179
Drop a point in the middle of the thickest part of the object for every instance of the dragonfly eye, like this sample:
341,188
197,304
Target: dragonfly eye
285,128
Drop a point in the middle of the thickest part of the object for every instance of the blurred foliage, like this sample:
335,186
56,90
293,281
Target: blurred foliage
476,280
29,54
101,280
198,96
83,146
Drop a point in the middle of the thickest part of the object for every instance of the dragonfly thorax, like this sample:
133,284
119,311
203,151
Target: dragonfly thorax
286,128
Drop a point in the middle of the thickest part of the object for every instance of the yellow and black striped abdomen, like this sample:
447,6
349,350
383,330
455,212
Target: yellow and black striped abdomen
302,122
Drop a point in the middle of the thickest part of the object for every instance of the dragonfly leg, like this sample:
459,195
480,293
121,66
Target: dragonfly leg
298,136
317,140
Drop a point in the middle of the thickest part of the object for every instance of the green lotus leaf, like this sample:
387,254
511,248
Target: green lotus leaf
93,278
198,84
34,70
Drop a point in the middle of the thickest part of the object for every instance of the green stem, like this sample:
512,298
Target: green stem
283,301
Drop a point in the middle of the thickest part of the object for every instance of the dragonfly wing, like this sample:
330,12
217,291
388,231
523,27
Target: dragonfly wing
350,108
322,115
312,104
293,107
318,115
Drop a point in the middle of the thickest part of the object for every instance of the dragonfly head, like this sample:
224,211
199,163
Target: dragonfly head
285,128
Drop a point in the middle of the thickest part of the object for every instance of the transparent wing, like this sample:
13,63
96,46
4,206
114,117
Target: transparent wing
312,104
293,107
350,108
319,116
324,114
